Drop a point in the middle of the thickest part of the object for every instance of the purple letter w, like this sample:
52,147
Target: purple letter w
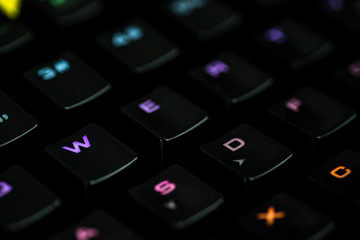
77,145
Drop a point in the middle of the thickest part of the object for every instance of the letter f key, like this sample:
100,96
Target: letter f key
77,145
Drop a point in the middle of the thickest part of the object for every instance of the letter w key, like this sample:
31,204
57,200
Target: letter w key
77,145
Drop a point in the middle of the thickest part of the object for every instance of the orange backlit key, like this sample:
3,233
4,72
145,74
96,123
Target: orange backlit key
284,217
340,174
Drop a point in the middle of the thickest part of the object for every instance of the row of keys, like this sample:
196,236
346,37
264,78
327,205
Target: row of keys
180,199
130,40
308,109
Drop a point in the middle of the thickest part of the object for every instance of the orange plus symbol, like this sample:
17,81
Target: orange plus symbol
270,216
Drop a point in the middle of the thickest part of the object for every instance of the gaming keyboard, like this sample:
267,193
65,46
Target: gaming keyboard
175,119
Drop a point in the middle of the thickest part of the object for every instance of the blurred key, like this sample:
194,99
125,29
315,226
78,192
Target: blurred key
313,112
13,35
23,200
14,121
68,81
66,13
97,225
232,78
177,197
345,12
294,43
350,74
283,217
205,19
138,45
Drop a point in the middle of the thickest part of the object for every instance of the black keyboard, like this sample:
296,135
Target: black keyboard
174,119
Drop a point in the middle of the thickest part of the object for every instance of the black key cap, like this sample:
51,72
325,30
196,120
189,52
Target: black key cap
232,78
313,113
165,113
247,152
14,121
13,35
177,197
98,225
23,200
68,81
92,154
205,19
350,74
138,45
295,44
340,174
167,116
67,13
344,12
284,217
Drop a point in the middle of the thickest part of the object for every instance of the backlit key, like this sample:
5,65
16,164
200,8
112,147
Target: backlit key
340,174
68,81
247,152
23,200
166,118
284,217
138,45
232,78
313,112
205,19
345,12
165,113
177,197
97,225
92,154
294,43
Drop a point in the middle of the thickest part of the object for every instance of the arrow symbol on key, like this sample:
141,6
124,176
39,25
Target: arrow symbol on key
171,205
240,161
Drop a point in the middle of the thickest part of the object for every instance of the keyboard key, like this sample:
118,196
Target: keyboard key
340,175
68,81
14,121
92,154
344,12
68,13
138,45
97,225
295,44
23,200
290,218
350,74
247,152
284,217
165,113
232,77
313,113
13,35
205,19
177,197
168,121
